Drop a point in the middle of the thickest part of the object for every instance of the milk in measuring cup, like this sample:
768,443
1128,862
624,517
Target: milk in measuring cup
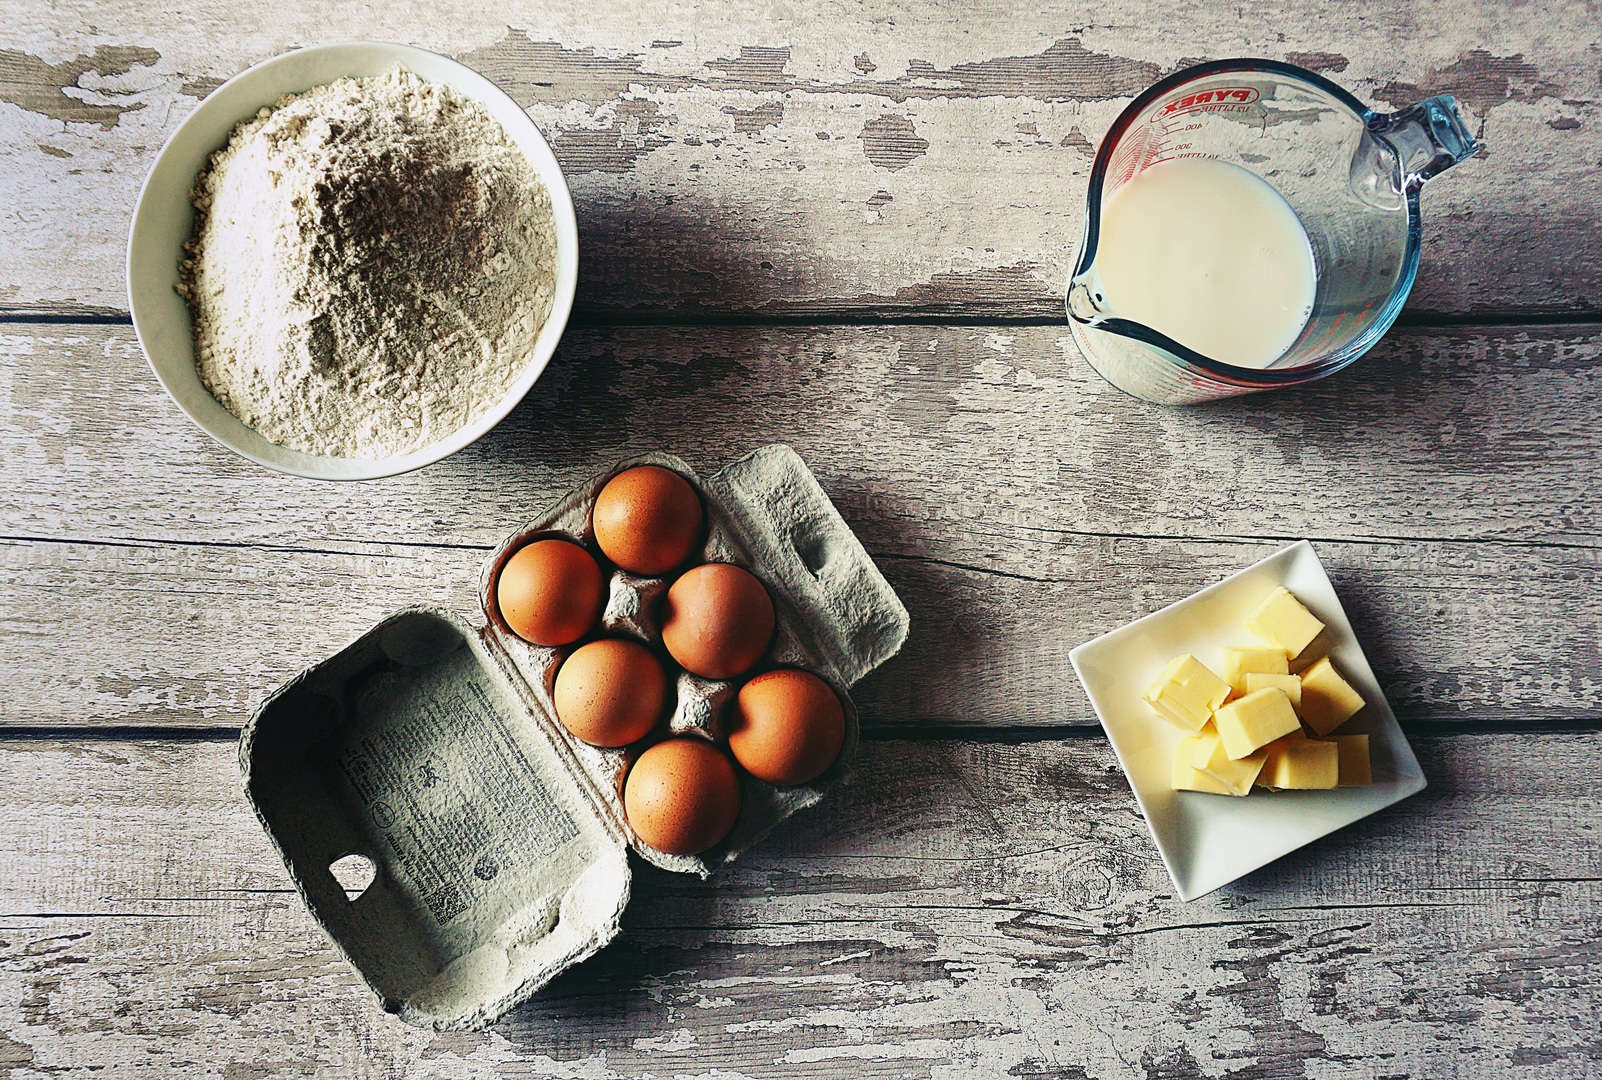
1210,255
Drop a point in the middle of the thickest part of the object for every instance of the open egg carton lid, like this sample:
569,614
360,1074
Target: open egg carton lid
429,749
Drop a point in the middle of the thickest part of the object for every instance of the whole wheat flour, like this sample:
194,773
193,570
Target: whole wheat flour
372,262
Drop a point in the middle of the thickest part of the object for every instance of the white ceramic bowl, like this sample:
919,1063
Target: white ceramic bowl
1207,841
164,219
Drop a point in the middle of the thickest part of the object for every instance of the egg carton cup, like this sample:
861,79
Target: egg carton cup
429,750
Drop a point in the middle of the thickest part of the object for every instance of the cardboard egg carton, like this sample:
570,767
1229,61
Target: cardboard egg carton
430,748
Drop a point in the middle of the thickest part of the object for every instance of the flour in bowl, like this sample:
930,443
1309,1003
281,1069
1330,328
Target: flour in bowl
372,262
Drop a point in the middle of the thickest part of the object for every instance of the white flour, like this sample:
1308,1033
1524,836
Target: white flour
372,262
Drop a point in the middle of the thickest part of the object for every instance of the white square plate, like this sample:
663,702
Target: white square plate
1207,841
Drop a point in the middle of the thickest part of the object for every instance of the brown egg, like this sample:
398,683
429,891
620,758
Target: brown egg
647,520
551,592
786,726
717,620
610,692
682,796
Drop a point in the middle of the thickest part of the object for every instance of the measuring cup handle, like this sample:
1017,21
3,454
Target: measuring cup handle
1428,138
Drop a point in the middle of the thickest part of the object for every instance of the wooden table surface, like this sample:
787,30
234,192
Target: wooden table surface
848,230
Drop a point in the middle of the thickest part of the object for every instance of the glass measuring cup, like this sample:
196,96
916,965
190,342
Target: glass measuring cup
1352,176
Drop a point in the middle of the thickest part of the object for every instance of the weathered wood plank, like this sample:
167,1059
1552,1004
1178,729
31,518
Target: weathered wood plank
1018,503
827,160
1001,450
167,635
959,909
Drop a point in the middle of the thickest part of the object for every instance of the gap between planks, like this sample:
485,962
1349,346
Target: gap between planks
1009,736
582,318
140,542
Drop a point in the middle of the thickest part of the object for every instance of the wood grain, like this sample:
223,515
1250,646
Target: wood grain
831,161
168,635
985,907
1020,506
960,909
998,449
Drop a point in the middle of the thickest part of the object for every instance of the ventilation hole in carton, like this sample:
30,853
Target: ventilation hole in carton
813,553
354,874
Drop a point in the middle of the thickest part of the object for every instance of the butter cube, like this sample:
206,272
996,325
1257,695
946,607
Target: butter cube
1186,693
1255,720
1328,700
1201,749
1353,760
1256,680
1282,620
1209,758
1239,660
1187,777
1301,764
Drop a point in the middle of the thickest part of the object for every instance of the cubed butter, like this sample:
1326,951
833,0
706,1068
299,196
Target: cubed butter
1354,770
1282,620
1256,680
1187,777
1209,757
1255,721
1300,764
1186,693
1240,660
1328,700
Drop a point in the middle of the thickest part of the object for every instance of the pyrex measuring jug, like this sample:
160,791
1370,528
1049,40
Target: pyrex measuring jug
1351,175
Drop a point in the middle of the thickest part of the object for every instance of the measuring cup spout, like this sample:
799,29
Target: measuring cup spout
1428,138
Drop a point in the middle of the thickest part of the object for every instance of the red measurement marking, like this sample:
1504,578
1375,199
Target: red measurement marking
1329,332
